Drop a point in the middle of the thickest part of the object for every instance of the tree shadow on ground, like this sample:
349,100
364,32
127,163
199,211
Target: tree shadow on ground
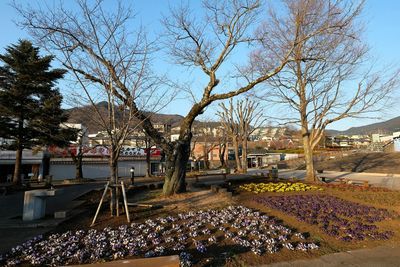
364,162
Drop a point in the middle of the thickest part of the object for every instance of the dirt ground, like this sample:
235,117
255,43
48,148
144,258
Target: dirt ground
163,206
364,162
225,254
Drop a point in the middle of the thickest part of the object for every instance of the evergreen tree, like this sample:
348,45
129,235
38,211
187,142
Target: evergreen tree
30,111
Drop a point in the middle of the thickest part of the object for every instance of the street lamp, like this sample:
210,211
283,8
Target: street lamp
132,171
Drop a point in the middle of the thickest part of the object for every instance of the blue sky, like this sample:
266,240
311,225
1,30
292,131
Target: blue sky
382,19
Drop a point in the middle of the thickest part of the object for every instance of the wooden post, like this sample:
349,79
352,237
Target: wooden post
111,203
101,202
125,202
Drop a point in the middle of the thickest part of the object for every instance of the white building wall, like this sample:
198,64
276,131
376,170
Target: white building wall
291,156
62,170
376,138
397,145
174,137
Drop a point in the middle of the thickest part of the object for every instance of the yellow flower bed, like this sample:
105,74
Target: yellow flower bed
278,187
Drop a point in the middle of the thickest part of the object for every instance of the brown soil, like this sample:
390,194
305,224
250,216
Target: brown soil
330,244
226,253
163,206
364,162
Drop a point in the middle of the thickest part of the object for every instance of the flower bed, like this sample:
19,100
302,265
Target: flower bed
277,187
391,198
355,188
337,217
162,236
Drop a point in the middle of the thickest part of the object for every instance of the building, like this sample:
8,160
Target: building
34,163
344,141
381,138
137,138
267,133
98,168
61,166
83,137
259,160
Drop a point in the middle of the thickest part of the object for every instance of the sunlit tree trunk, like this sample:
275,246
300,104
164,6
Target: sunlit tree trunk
113,163
237,157
244,155
221,152
176,162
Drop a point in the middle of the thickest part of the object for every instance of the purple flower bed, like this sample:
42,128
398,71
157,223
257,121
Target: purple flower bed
199,230
343,219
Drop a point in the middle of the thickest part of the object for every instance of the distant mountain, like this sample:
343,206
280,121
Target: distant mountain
86,115
385,127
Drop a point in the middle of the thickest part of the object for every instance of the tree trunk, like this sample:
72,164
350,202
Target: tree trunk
78,169
308,155
18,152
17,168
148,162
77,159
237,158
222,149
205,157
244,155
113,179
176,162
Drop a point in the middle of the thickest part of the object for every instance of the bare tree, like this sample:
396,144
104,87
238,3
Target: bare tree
232,129
203,139
148,145
77,152
323,83
207,44
209,141
97,49
107,60
240,121
222,145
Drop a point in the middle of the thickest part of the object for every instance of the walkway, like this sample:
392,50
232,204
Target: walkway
375,257
14,231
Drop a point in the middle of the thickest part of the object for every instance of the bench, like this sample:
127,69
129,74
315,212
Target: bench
32,180
364,183
322,178
209,174
159,174
35,203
